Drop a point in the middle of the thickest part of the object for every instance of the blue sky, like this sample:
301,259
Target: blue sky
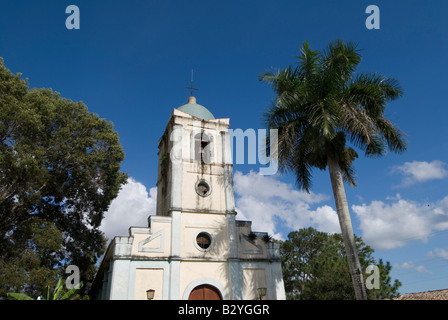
130,61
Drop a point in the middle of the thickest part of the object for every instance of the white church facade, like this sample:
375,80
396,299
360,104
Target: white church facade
194,247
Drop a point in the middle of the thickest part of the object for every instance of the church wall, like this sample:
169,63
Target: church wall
164,175
262,274
148,278
253,279
238,278
149,274
120,280
192,200
216,225
276,282
195,273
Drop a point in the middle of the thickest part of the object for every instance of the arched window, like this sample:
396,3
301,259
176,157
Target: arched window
202,148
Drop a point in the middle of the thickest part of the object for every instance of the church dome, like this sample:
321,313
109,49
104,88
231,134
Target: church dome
196,110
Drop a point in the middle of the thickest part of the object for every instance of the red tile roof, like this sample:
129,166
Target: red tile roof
427,295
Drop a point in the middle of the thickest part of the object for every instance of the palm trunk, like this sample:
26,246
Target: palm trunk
346,228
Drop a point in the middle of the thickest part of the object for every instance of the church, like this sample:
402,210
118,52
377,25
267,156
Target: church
193,248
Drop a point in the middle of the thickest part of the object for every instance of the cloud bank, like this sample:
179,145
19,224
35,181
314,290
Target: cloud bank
409,265
387,225
420,171
131,207
269,203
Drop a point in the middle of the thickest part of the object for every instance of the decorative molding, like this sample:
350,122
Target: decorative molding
156,235
246,239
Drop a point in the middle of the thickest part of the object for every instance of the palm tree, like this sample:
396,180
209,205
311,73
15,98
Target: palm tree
321,107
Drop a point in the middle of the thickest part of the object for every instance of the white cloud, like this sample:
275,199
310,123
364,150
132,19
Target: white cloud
438,253
405,265
391,225
267,202
412,266
420,171
131,207
423,269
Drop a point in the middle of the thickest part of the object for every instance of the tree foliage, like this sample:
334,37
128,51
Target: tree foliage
315,267
322,110
321,105
59,171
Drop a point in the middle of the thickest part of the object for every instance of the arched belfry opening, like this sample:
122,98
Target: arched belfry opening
203,148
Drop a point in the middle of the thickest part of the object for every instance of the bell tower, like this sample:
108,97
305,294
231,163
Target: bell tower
195,184
195,169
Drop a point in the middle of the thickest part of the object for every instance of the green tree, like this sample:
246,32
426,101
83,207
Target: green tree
315,267
387,289
298,256
59,171
28,262
322,105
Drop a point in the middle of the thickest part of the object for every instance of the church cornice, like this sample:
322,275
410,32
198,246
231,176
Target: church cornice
186,210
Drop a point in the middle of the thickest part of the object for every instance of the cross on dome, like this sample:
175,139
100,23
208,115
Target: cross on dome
191,86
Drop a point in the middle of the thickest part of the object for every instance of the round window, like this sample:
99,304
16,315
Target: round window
203,188
204,240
